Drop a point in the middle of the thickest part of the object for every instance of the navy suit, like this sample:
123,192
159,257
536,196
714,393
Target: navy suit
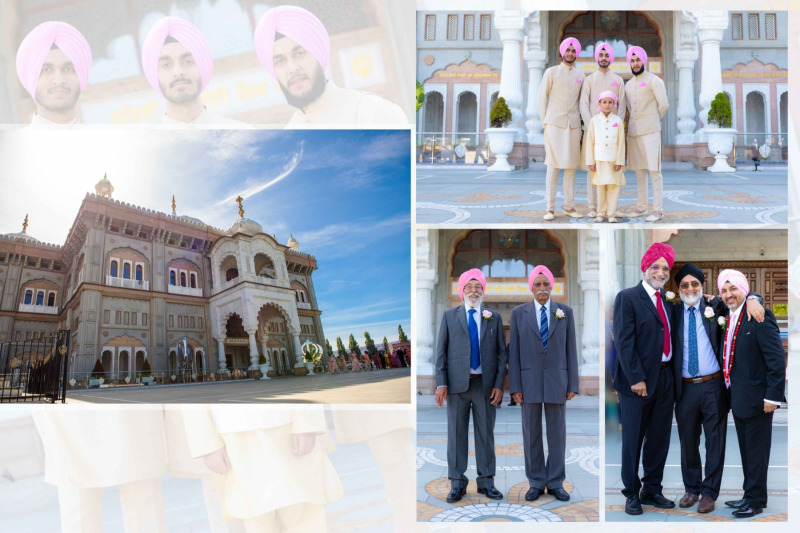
646,421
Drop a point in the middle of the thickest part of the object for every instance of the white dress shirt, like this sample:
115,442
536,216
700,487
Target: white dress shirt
653,295
477,320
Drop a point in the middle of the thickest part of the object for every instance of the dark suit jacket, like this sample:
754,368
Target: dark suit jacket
713,330
453,351
638,336
759,366
542,377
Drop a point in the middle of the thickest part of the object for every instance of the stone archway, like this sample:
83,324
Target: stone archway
275,332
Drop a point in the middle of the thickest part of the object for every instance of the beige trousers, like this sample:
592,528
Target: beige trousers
142,508
299,518
607,200
591,193
551,185
658,190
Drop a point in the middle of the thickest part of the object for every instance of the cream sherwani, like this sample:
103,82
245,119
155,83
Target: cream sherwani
89,449
347,107
559,94
605,147
647,103
206,119
594,84
268,486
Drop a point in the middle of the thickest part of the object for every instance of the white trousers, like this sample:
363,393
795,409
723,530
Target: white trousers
551,185
142,508
658,190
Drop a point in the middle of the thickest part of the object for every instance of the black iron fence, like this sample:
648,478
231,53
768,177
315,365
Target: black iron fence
34,370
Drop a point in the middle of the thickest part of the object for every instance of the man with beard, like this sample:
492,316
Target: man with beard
701,400
643,379
647,104
543,373
470,372
177,62
559,93
754,370
597,82
294,47
53,65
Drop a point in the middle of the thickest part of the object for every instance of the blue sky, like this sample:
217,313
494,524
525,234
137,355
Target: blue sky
344,195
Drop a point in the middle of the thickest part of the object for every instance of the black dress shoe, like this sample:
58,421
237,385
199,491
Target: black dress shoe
747,511
491,493
533,494
456,494
736,503
656,500
560,494
633,506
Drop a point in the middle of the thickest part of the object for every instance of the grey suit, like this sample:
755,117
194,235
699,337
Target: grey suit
465,393
544,378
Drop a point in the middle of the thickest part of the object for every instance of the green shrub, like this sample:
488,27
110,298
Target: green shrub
720,112
500,115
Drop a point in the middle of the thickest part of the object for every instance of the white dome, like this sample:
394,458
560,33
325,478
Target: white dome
246,226
22,236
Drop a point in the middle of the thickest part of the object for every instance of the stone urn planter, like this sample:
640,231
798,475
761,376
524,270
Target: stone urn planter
265,369
501,142
720,144
310,367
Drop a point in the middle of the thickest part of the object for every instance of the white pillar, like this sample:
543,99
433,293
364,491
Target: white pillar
266,356
589,281
426,279
298,351
251,333
685,36
511,27
535,55
710,27
223,365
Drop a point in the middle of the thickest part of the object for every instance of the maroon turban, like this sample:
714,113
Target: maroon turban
656,252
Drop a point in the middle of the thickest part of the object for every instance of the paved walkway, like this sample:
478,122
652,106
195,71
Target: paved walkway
732,477
475,196
583,466
379,386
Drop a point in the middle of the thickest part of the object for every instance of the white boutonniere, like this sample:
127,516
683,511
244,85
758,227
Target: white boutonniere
487,315
559,313
708,313
670,296
721,322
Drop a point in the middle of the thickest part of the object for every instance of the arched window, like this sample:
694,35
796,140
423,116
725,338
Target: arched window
193,280
183,279
139,272
434,113
28,297
467,115
507,253
172,277
40,298
51,300
755,117
620,29
126,270
113,270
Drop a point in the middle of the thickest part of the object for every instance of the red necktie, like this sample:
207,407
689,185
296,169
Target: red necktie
663,316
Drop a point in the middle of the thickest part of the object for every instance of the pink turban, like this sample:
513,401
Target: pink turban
299,25
738,279
540,269
38,43
570,41
467,276
606,94
640,53
608,49
656,252
185,33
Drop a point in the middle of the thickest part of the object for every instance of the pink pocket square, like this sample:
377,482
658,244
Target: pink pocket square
614,84
643,84
615,125
577,81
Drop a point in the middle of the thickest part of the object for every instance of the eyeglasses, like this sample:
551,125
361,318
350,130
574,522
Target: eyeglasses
656,268
473,287
687,284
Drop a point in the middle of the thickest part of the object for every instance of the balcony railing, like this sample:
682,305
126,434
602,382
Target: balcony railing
187,291
749,145
128,283
256,279
457,148
46,309
303,305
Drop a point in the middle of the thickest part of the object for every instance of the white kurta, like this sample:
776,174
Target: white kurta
596,83
559,94
647,103
206,119
605,148
347,107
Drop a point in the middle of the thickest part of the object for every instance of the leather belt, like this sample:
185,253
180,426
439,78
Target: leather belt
475,376
703,379
665,364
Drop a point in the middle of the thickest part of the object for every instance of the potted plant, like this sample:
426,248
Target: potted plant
98,374
145,375
720,134
501,137
263,366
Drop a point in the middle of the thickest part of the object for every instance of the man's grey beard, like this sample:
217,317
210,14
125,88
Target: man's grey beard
690,300
317,88
474,305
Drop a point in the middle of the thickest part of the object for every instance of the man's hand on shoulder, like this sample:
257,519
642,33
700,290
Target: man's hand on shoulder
754,309
441,395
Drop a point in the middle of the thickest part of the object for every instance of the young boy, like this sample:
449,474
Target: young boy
605,155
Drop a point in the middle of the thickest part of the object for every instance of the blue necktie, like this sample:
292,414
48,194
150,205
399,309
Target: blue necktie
543,328
694,362
475,349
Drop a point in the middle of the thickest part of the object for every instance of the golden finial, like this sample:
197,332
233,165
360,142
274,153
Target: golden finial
25,224
239,200
173,204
